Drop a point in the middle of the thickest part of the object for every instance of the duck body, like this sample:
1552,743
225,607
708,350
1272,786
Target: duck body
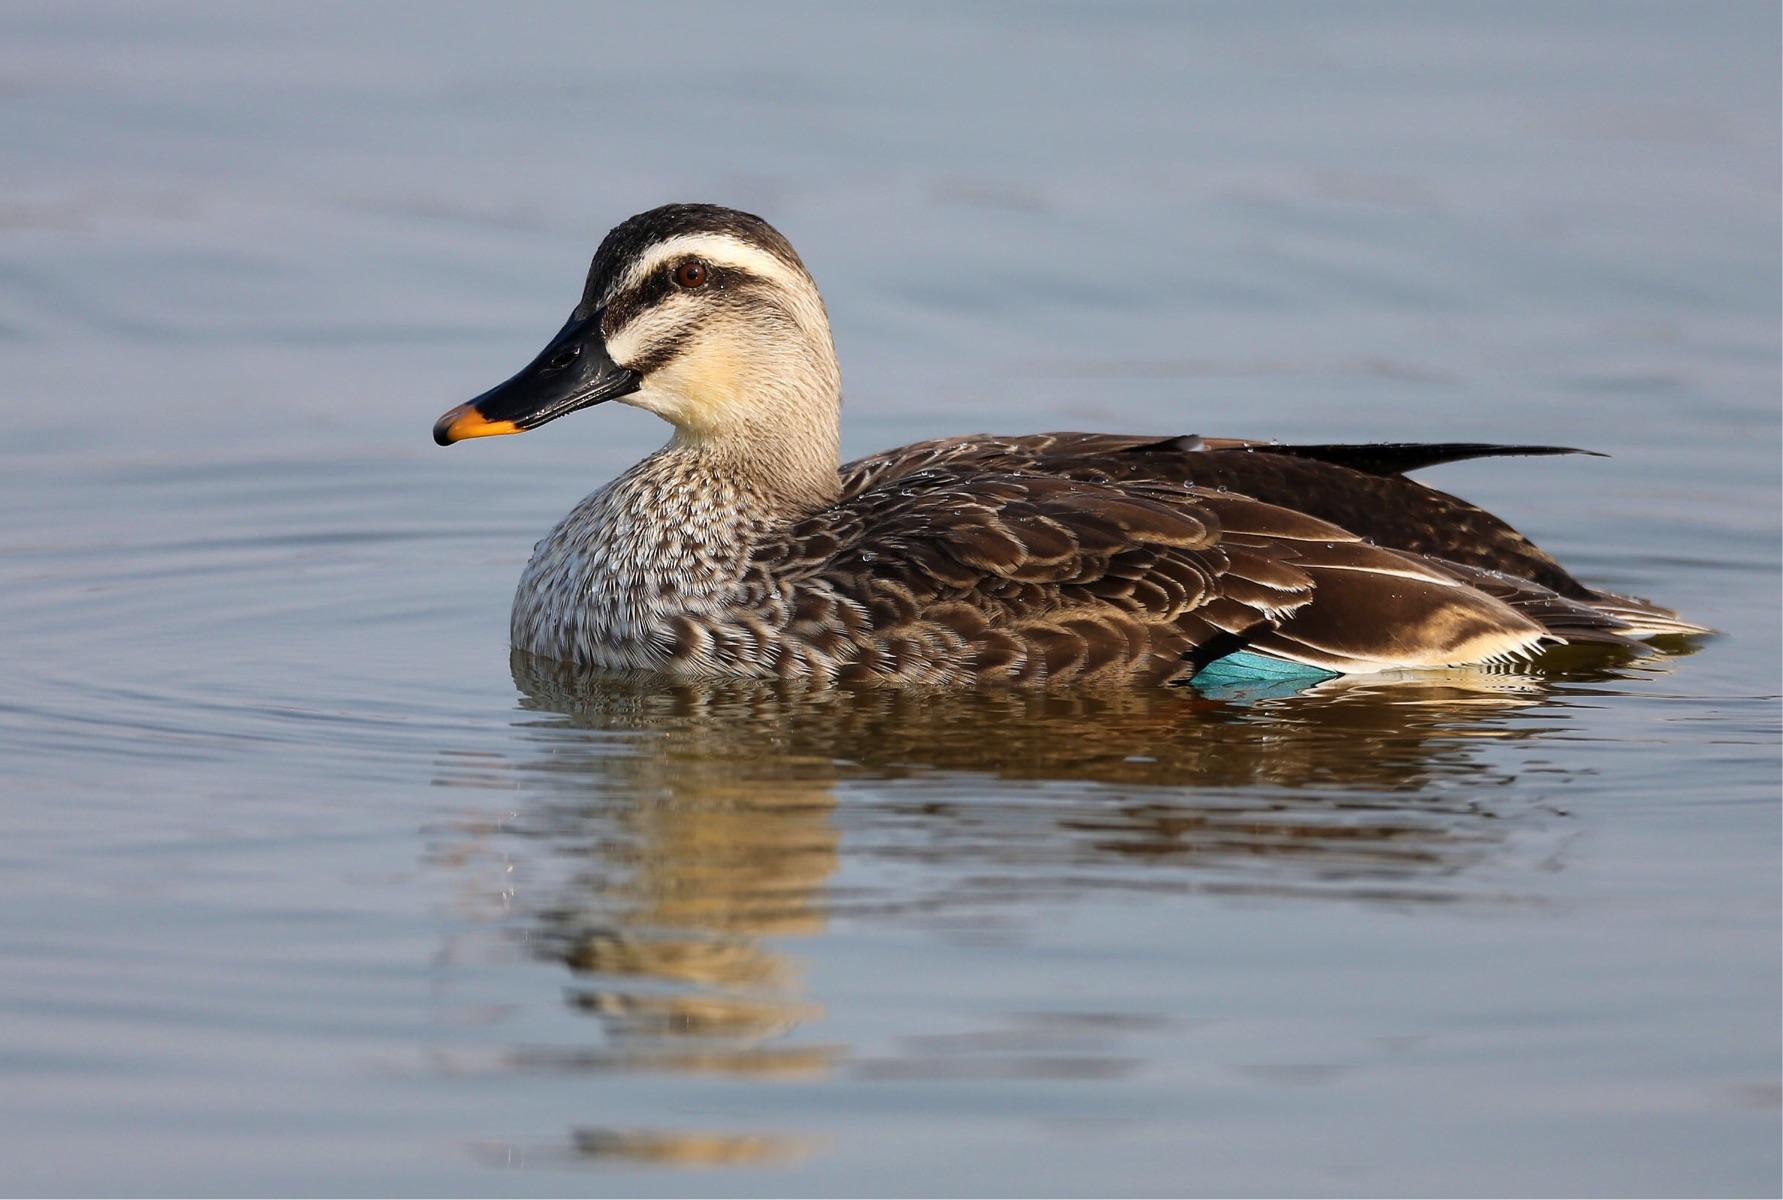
742,549
1051,559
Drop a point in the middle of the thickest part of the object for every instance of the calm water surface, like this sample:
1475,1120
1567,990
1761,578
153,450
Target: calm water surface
311,888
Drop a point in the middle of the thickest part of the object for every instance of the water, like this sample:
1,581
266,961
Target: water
309,889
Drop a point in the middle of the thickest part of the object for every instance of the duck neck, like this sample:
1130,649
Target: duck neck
771,428
781,471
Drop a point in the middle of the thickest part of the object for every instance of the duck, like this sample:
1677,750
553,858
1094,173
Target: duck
745,548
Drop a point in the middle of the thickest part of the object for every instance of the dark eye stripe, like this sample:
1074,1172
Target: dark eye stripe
663,351
724,286
628,304
624,307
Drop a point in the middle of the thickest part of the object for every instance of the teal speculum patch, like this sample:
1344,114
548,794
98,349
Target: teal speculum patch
1246,670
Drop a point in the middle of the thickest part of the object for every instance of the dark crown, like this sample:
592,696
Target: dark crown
635,235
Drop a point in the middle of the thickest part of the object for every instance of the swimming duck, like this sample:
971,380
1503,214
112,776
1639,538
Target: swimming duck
742,549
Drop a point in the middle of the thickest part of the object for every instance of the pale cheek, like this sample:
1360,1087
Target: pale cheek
626,345
697,391
649,330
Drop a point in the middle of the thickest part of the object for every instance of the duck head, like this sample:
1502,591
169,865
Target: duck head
703,315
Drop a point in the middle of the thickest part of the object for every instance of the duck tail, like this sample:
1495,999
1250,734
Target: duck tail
1645,619
1605,617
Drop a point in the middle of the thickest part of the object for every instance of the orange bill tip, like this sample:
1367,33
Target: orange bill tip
466,422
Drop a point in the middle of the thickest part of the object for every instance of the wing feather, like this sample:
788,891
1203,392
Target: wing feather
1359,489
1046,578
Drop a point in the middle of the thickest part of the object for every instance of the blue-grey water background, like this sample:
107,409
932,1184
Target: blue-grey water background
307,889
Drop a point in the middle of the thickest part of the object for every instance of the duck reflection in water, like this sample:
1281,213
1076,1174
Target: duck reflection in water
697,828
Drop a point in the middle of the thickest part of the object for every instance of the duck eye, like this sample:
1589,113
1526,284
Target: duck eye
691,274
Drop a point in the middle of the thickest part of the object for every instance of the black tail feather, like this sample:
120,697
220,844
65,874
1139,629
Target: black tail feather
1396,458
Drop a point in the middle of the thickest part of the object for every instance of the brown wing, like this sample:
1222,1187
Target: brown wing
1030,578
987,451
1357,487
